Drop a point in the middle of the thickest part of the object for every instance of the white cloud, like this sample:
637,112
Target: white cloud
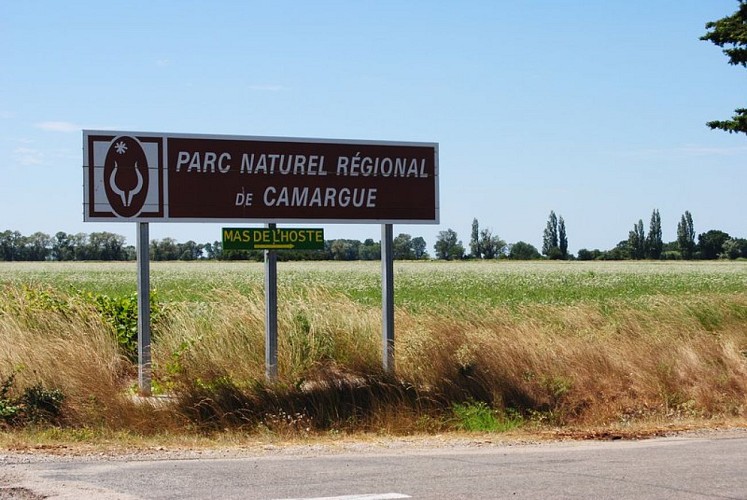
52,126
20,140
28,156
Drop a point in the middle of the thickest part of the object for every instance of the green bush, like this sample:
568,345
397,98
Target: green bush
8,408
477,416
41,404
35,405
121,314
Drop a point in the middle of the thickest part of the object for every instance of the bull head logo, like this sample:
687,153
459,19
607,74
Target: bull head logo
125,195
126,176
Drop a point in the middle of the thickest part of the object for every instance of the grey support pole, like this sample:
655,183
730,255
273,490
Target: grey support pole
271,313
387,298
143,310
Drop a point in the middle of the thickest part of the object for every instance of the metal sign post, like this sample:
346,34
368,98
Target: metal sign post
271,313
143,310
387,298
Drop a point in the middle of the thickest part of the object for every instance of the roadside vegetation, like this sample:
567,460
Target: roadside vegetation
487,346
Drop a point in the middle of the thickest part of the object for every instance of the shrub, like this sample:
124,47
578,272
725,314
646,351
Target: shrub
477,416
35,405
122,315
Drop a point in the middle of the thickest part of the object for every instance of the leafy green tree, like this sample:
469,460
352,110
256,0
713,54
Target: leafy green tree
130,252
165,249
10,245
370,250
620,252
106,246
711,243
686,236
735,248
345,249
562,239
522,250
82,250
731,32
637,241
62,247
491,246
554,238
253,255
474,242
38,246
214,250
190,250
448,246
402,247
586,254
654,243
671,251
550,236
419,248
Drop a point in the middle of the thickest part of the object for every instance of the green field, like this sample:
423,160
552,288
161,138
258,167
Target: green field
419,285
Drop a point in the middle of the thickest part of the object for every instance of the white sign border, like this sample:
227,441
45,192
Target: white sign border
166,219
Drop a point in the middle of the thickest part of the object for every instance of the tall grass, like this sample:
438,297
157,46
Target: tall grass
59,342
623,345
590,363
598,364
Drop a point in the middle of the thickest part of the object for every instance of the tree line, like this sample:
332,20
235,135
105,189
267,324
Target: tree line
483,244
39,246
106,246
712,244
689,245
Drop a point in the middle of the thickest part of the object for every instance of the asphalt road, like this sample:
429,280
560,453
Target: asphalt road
678,467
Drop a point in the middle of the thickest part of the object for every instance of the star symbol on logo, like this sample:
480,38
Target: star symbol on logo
120,147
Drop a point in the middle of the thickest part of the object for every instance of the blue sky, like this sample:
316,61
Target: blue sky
595,110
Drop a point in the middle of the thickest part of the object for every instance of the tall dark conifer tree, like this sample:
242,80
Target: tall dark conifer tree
654,243
550,236
686,236
562,239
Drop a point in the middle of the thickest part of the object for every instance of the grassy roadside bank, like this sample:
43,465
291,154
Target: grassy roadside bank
487,348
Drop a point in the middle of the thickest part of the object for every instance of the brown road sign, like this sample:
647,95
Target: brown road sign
147,177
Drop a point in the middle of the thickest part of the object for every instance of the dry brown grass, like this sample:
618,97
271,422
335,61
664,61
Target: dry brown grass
587,363
614,363
581,364
227,336
59,342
